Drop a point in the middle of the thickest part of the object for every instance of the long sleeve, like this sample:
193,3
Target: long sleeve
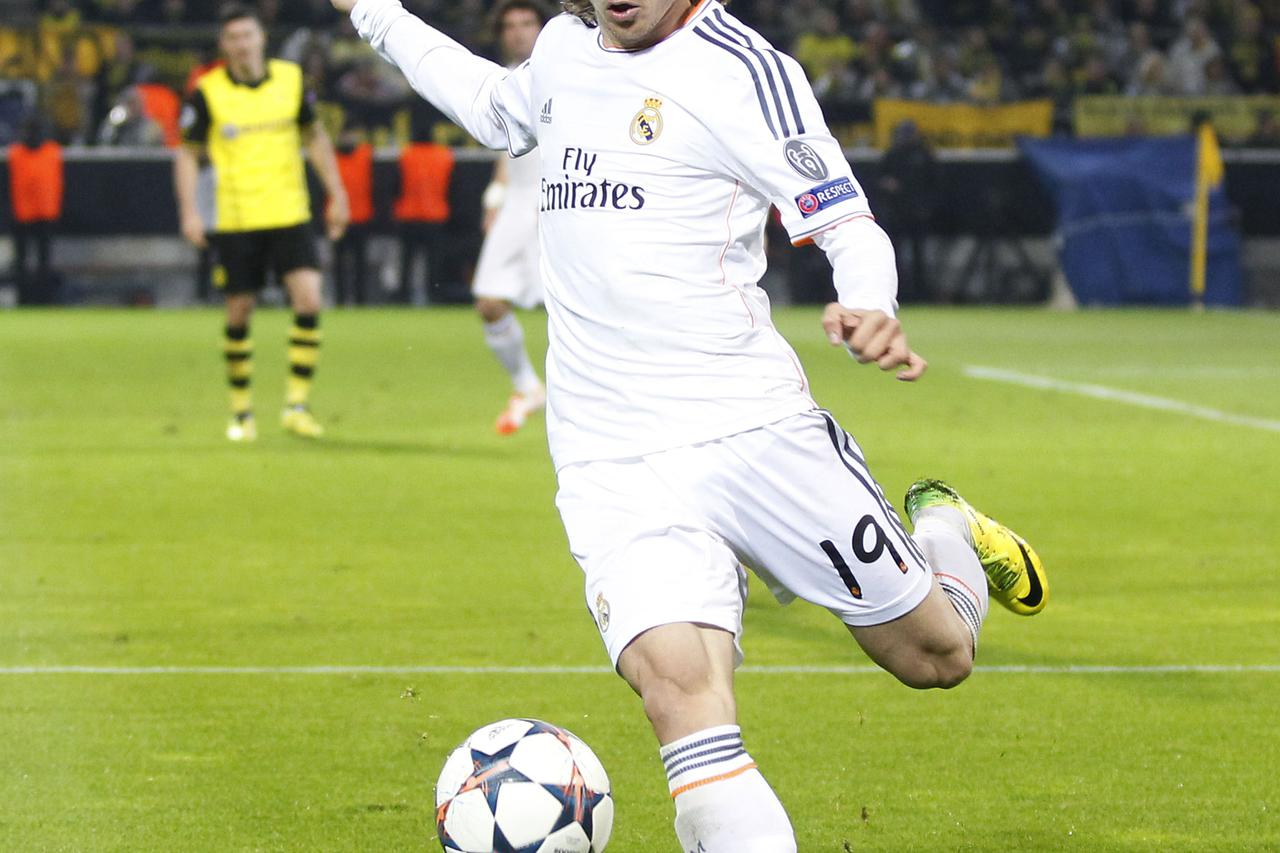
864,265
488,101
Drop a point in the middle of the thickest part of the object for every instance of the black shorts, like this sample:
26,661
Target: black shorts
241,259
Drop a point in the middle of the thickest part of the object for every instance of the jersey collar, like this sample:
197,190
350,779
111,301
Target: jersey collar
695,12
250,84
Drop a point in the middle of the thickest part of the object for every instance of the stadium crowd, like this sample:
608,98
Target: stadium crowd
113,71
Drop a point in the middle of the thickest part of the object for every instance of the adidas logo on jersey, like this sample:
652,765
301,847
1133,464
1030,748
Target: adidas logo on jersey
546,111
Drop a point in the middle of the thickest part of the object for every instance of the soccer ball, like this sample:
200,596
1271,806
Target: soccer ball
523,786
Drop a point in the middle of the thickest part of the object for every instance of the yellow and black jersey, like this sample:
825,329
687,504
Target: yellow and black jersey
253,132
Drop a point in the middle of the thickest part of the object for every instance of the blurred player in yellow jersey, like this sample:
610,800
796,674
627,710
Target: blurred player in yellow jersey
254,118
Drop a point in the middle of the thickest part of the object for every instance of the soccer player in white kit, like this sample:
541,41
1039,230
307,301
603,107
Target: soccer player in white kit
507,271
684,437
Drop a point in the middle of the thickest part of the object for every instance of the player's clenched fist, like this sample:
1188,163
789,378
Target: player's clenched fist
343,6
873,336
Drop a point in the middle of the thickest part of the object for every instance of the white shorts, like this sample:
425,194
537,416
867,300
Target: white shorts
508,265
664,538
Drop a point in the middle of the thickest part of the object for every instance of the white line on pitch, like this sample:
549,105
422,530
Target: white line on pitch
1132,398
1033,669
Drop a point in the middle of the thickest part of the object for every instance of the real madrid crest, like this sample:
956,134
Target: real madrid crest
647,124
602,611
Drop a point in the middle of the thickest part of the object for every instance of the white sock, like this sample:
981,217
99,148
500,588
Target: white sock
506,338
723,804
943,535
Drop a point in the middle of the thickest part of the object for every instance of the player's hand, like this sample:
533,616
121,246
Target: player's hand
336,216
343,6
489,216
873,336
192,226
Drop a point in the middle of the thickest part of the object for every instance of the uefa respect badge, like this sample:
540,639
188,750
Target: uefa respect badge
820,198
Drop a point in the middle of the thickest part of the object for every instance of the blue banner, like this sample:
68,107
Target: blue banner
1125,210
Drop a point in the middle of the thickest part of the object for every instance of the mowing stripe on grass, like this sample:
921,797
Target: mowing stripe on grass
1132,398
409,669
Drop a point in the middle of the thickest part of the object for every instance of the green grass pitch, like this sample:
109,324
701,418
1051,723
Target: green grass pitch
133,536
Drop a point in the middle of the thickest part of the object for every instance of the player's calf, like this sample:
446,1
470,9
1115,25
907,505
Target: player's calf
930,647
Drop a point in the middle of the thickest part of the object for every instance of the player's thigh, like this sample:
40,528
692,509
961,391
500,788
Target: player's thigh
809,517
648,558
239,261
684,674
293,249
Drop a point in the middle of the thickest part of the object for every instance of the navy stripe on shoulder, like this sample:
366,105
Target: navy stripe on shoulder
728,23
755,75
764,64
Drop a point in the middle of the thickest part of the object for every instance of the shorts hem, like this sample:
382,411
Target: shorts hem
896,609
730,623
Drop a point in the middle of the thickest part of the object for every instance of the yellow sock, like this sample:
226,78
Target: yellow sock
304,353
237,348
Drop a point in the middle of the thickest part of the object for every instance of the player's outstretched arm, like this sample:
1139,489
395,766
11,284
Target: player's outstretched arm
472,91
866,279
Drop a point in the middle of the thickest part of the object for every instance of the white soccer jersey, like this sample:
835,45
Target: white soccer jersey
658,169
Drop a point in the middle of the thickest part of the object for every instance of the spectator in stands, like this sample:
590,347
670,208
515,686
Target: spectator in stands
1055,83
1155,15
1217,79
61,20
1251,54
35,195
1026,56
944,83
1052,16
1151,78
837,90
1189,57
1110,36
826,47
69,98
113,11
1137,53
169,12
1096,78
1001,24
128,124
987,86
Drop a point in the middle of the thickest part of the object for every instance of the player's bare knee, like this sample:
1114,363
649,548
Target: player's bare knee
239,311
307,303
954,668
673,703
933,669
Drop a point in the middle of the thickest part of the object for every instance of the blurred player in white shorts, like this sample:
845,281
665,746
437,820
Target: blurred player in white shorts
507,272
685,440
